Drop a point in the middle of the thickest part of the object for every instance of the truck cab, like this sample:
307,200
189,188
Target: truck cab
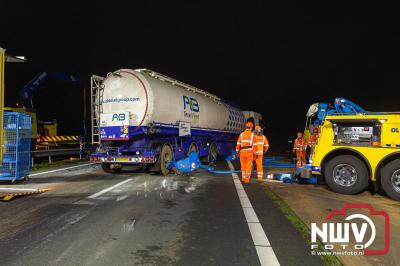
354,151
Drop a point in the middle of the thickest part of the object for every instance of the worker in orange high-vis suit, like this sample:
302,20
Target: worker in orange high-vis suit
244,148
260,146
300,147
313,141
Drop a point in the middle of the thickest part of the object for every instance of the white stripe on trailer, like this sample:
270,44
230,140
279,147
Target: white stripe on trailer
62,169
265,253
196,128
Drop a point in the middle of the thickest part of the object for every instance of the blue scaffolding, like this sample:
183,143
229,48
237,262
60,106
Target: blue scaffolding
16,146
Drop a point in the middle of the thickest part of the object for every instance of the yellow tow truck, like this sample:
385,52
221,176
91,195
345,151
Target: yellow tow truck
358,150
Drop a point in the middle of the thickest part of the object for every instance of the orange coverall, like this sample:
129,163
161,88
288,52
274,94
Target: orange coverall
244,147
300,147
312,142
260,145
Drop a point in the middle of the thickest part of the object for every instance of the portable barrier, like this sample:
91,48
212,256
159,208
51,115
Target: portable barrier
16,146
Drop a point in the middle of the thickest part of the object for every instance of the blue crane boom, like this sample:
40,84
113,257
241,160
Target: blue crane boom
36,83
341,105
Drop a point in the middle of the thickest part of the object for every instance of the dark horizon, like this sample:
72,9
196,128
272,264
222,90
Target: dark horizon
276,59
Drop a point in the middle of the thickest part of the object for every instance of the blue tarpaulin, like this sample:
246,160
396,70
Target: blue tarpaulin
192,163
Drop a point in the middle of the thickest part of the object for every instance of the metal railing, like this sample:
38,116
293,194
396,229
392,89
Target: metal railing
60,152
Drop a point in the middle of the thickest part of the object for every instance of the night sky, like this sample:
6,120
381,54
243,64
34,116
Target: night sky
276,59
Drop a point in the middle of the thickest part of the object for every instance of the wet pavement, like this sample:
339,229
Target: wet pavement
92,218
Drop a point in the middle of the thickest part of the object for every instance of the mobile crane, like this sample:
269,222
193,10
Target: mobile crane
44,133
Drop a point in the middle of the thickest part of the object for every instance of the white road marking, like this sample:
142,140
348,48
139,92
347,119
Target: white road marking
265,253
62,169
250,215
241,193
18,189
122,197
85,202
267,256
245,202
260,237
95,195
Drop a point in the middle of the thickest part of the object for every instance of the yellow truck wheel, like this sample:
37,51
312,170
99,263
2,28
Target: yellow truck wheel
390,179
346,174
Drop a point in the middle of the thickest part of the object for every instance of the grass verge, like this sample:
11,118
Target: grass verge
300,226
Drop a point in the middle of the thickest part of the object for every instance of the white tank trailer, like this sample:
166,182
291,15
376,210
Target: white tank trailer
147,120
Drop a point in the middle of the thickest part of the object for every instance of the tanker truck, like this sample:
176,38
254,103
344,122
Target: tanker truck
144,119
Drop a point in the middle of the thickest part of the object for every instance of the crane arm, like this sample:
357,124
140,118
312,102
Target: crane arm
32,86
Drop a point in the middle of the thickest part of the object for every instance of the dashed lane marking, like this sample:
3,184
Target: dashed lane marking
62,169
95,195
265,253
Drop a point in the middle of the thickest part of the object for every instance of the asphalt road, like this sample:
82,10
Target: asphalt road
92,218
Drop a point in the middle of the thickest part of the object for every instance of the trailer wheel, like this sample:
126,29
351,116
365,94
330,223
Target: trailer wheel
346,174
390,179
107,168
212,154
192,148
166,157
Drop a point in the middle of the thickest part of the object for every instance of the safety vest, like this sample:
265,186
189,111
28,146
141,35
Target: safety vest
300,144
313,140
245,141
260,144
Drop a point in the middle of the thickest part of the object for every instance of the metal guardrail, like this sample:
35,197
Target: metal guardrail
60,152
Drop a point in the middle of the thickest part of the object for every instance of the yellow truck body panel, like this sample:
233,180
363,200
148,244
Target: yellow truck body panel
373,155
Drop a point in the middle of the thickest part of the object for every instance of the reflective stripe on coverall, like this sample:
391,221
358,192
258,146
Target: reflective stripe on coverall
260,145
244,146
300,146
312,142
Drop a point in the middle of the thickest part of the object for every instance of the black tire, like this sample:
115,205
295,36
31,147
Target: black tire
107,168
390,179
346,174
166,156
212,154
192,148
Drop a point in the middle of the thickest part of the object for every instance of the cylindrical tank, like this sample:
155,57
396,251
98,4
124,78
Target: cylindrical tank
151,97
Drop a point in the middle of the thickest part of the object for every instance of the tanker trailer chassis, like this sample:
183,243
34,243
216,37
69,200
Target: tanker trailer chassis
127,107
157,151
